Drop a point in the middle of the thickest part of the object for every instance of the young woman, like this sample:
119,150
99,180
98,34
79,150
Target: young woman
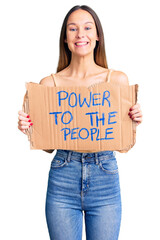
83,181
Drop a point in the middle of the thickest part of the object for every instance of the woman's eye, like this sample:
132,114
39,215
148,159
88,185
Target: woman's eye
87,28
73,29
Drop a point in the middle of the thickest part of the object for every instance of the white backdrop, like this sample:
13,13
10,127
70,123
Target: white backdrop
29,47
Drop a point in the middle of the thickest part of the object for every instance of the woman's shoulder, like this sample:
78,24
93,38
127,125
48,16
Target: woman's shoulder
47,81
116,76
119,77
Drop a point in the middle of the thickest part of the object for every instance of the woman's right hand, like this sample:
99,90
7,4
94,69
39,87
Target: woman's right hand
24,121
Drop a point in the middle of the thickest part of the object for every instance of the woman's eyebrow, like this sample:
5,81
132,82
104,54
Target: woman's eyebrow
71,24
89,22
75,23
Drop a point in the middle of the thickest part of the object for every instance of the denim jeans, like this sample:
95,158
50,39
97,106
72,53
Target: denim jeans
83,183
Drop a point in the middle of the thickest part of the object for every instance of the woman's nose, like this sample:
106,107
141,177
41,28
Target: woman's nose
80,33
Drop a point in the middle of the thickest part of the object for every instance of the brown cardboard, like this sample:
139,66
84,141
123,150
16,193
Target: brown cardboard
109,129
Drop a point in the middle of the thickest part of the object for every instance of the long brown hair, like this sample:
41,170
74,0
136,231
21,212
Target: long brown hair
99,51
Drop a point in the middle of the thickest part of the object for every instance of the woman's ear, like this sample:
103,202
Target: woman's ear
65,40
97,39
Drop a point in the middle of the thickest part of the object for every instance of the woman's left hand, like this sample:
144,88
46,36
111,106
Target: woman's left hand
135,113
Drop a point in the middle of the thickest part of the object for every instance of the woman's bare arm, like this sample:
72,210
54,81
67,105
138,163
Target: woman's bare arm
24,120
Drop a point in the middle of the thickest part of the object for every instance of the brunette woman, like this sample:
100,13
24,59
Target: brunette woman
83,181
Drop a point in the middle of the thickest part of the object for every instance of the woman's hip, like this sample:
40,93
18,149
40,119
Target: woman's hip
89,179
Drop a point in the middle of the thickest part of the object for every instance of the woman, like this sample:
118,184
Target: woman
83,180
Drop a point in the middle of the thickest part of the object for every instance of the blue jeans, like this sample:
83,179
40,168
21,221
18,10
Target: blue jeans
83,182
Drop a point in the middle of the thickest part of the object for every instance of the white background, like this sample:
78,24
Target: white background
29,50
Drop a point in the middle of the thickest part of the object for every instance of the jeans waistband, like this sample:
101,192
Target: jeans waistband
79,156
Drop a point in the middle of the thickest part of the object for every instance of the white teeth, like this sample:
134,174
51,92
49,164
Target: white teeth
79,44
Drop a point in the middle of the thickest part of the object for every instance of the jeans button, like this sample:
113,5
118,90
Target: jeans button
84,155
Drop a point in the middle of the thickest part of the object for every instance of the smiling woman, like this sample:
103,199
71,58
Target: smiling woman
82,57
81,27
83,180
83,33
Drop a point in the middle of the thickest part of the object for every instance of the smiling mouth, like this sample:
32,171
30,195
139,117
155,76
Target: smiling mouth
81,43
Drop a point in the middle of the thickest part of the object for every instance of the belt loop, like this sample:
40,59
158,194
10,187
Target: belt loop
69,156
96,158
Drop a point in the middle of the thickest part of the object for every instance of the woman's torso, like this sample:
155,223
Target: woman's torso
61,80
105,75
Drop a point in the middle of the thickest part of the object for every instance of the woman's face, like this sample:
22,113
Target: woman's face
81,33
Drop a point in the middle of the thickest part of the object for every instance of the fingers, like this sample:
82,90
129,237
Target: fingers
134,109
22,130
23,125
25,119
137,119
135,113
21,113
24,122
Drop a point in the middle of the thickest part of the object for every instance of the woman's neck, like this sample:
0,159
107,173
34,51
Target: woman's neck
81,67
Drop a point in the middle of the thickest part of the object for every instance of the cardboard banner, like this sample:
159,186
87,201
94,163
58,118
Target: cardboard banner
81,118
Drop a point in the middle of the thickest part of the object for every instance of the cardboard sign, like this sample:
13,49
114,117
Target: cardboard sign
81,118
